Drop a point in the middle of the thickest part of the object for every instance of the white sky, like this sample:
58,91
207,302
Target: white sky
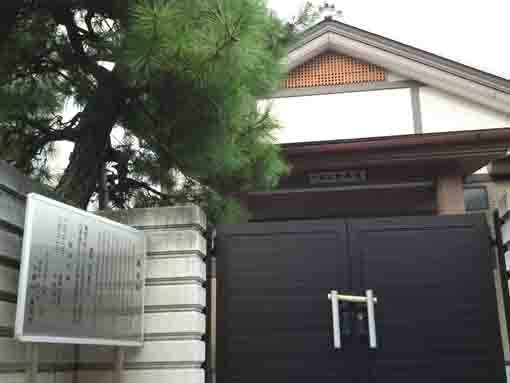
472,32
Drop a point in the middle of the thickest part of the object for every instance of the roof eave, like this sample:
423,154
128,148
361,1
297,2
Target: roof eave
468,137
467,150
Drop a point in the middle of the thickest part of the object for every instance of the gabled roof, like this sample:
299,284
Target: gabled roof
430,69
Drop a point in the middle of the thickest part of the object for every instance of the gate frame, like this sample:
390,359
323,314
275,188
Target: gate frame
504,275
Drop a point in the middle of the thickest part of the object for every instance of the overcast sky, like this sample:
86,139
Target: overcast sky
472,32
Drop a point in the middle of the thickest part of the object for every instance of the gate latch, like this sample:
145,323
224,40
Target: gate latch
369,299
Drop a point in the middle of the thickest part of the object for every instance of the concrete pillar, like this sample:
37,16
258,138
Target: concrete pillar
450,194
175,299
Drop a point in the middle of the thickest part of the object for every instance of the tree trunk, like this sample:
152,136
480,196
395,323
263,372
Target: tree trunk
92,144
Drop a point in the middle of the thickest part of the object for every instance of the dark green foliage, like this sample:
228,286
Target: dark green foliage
184,88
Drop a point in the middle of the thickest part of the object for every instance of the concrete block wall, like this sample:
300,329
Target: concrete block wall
58,362
174,320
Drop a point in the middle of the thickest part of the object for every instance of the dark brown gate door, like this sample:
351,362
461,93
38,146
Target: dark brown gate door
274,319
435,318
436,314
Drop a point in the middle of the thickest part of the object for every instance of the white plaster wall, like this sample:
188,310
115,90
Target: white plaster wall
443,112
377,113
343,116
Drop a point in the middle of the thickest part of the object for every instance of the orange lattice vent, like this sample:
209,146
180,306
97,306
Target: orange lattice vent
332,69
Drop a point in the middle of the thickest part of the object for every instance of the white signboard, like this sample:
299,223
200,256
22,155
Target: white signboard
81,279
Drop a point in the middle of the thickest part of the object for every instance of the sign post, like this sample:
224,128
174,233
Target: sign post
118,365
81,280
32,363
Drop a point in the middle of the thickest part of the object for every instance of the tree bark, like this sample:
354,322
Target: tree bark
92,144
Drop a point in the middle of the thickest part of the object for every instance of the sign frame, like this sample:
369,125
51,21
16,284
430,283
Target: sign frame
25,273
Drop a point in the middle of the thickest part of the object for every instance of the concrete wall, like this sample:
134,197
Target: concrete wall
175,323
57,361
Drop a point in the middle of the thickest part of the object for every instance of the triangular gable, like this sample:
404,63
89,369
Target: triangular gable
332,69
332,37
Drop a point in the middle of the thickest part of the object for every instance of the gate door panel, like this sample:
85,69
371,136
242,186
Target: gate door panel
275,319
436,312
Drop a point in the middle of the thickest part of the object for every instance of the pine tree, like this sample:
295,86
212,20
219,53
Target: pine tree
181,78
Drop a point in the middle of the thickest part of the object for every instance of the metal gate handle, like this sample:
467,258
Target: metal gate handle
369,299
337,342
372,334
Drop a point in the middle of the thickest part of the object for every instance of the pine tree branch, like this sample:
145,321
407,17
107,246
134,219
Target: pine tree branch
80,57
111,9
231,39
88,21
47,133
71,124
147,113
135,184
